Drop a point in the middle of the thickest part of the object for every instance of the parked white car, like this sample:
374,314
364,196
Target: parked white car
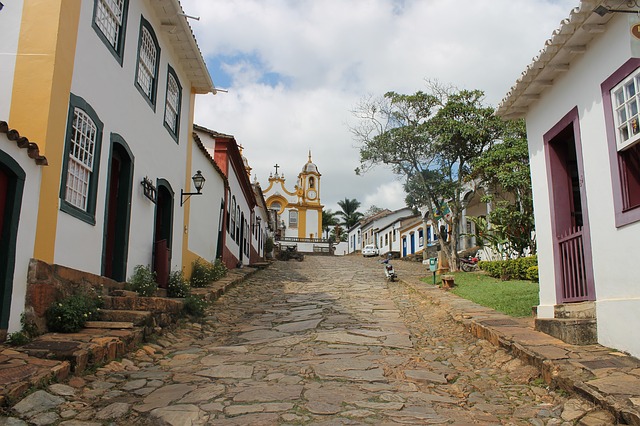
369,250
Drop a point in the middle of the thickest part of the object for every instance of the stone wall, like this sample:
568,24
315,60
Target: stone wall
47,284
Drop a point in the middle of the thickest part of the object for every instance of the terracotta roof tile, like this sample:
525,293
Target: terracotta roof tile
33,151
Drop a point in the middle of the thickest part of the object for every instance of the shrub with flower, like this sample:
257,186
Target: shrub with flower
178,285
204,272
69,315
143,281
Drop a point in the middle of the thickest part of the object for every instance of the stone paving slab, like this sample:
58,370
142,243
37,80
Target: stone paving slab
618,391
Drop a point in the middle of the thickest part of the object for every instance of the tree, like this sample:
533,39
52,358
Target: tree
504,169
349,212
338,235
430,140
372,211
328,220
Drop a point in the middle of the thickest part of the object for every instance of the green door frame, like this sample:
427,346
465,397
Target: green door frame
9,237
122,209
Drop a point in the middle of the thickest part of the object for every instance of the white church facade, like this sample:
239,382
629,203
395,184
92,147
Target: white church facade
298,210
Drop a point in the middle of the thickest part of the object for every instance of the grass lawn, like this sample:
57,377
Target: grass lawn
514,298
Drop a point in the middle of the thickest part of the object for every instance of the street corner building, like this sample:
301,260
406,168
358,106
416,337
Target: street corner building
99,167
580,100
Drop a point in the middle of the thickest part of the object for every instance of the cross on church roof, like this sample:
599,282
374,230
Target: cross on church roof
276,166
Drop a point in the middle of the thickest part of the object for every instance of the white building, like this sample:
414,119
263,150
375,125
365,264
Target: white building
106,89
580,101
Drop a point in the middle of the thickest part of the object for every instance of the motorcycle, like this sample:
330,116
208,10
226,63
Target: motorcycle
469,264
389,272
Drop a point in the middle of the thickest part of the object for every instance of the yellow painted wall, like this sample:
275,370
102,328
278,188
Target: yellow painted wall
188,257
302,222
40,98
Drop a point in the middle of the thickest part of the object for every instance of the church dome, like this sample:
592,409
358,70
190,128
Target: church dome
310,167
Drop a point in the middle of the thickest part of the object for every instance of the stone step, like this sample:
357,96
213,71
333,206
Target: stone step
152,304
108,324
89,346
570,330
124,315
578,310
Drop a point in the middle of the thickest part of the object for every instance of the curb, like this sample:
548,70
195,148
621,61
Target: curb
575,369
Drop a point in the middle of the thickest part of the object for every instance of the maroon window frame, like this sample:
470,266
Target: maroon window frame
625,165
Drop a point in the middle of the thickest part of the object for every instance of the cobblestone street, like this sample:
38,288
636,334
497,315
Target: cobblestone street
326,341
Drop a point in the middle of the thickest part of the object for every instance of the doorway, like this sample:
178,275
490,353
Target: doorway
12,178
569,219
163,232
118,211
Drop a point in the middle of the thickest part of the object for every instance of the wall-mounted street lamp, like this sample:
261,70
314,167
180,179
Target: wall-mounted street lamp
603,10
198,183
257,224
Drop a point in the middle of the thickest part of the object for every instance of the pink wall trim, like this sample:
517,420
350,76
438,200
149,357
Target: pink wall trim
621,217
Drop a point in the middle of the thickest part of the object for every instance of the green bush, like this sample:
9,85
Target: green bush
18,338
517,269
178,285
202,273
71,314
195,306
532,274
143,281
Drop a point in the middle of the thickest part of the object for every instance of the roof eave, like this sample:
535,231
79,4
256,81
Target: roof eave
567,43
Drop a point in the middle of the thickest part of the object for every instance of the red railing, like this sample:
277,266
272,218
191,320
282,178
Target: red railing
574,276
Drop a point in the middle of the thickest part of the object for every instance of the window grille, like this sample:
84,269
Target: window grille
147,62
109,19
80,166
172,104
625,98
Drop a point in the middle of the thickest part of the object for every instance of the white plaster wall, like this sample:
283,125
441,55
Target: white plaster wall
26,227
236,189
204,210
614,249
109,88
10,19
313,221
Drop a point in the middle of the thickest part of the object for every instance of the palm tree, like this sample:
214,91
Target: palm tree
328,220
349,212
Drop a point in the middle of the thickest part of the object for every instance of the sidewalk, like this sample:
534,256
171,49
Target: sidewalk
599,374
52,357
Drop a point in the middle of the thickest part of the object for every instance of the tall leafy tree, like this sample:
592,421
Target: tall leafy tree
349,212
504,169
430,140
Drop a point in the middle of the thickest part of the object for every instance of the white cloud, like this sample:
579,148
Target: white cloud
331,53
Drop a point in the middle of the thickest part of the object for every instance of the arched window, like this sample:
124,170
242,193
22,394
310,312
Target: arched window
82,160
232,224
312,182
148,61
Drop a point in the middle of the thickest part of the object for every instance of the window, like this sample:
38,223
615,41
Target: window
625,106
232,225
621,103
293,218
172,104
238,224
148,59
109,22
81,161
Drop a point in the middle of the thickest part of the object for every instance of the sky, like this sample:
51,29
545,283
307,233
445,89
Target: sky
295,70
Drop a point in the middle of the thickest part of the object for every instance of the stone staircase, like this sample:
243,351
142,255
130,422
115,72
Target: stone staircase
127,320
573,323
